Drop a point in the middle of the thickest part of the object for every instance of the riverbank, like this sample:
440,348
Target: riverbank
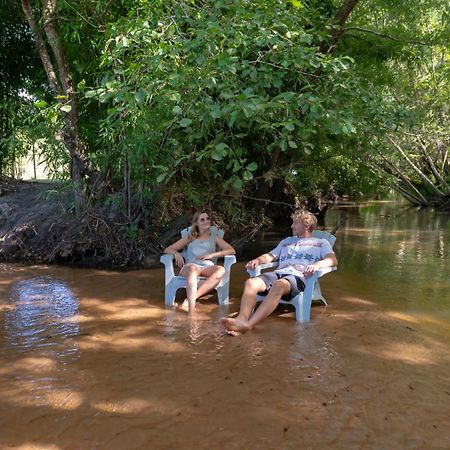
91,359
38,225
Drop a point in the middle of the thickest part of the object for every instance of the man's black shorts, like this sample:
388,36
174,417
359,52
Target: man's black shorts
296,283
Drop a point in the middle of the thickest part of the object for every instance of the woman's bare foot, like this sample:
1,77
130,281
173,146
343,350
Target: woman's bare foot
235,327
183,306
187,306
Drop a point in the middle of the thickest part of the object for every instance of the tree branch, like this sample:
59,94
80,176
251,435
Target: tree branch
391,168
432,167
42,49
386,36
426,180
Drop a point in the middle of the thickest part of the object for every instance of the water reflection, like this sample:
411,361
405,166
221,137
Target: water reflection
41,312
400,253
194,326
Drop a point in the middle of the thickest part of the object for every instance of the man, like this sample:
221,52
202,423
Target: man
299,257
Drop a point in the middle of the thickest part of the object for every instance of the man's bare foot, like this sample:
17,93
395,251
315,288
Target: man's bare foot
235,327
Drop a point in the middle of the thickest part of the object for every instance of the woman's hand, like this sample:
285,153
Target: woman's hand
207,256
179,260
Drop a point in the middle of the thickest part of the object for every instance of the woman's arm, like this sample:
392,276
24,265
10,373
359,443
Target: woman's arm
225,249
175,248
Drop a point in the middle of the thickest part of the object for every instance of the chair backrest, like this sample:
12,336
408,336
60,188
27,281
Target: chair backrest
325,235
214,231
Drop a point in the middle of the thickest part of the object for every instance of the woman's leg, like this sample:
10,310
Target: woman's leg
213,276
191,272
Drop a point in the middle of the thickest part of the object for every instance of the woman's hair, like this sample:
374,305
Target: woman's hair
194,226
309,219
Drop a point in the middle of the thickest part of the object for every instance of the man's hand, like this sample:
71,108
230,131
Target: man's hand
252,264
310,270
329,261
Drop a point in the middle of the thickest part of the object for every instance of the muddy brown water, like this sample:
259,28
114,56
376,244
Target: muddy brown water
91,359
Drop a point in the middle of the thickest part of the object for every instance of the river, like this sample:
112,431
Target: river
91,359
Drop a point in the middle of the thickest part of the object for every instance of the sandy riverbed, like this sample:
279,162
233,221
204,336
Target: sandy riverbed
93,360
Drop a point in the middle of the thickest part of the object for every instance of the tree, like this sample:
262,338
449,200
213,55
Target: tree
225,98
61,83
408,65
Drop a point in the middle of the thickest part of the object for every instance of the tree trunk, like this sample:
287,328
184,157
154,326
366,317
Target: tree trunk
427,182
437,176
62,86
42,49
393,170
340,20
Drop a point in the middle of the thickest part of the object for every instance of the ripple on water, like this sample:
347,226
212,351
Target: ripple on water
41,314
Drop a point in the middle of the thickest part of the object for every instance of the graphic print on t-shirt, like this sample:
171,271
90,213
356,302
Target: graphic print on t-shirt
294,253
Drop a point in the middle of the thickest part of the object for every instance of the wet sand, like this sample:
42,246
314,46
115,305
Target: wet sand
92,360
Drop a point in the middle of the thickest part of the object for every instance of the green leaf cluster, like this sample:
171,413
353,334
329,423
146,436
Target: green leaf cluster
227,94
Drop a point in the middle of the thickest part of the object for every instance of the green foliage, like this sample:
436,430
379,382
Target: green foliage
223,94
210,98
402,49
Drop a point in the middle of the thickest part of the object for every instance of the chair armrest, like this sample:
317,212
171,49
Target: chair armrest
325,270
167,260
257,270
311,281
228,261
317,274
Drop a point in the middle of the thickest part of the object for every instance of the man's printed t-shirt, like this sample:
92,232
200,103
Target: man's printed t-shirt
294,254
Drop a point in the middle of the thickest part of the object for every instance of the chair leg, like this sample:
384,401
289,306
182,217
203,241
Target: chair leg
317,293
169,295
302,308
223,295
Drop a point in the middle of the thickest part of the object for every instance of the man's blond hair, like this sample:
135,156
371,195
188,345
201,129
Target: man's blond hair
309,219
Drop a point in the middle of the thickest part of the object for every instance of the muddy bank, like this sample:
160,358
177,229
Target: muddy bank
38,225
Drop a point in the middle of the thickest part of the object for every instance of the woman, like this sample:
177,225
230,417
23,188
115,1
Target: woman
201,256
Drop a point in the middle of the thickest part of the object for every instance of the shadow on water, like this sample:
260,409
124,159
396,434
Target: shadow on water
91,359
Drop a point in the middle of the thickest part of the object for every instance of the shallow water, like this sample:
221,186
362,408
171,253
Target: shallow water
91,359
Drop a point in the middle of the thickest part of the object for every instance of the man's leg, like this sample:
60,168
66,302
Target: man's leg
278,289
244,322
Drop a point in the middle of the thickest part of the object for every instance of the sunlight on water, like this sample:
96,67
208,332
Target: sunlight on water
42,313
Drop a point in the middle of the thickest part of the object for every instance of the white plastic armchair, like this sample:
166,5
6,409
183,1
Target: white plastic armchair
302,302
174,282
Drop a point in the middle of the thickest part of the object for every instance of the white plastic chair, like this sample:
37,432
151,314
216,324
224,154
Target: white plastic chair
302,301
174,282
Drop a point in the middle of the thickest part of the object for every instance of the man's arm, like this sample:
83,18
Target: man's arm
266,258
329,261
